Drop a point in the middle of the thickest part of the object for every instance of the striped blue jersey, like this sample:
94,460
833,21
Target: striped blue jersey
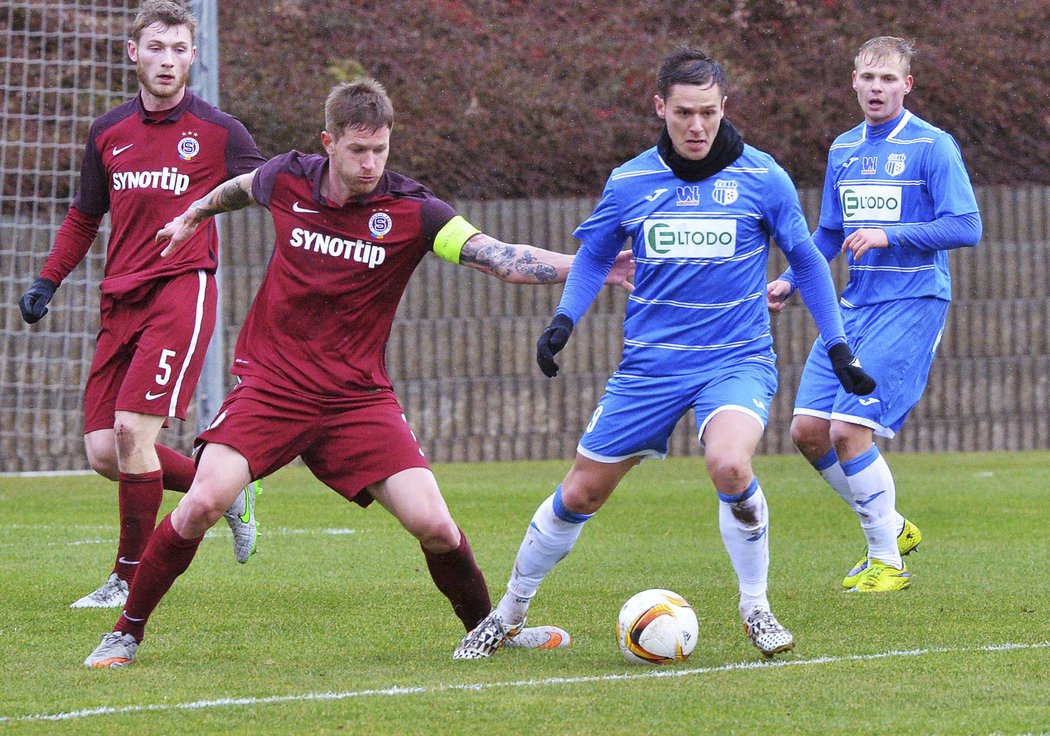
700,250
902,172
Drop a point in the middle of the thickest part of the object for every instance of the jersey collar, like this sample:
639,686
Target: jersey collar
173,115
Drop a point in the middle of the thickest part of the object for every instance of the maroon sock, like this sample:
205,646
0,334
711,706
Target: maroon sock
139,495
166,557
458,576
178,469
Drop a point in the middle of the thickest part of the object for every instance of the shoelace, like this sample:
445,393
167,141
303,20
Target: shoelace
763,622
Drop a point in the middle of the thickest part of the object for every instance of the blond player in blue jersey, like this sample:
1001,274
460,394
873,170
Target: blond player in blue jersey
896,198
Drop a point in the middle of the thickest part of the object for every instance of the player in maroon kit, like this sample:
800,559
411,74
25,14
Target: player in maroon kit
145,160
310,355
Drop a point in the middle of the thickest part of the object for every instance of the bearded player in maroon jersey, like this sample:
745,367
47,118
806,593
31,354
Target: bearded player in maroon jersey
149,158
310,356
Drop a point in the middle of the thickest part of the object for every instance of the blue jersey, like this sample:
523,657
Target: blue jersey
700,250
901,173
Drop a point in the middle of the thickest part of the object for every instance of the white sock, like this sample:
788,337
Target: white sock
743,520
874,500
830,470
550,537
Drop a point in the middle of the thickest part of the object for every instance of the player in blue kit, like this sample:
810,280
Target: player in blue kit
699,209
896,197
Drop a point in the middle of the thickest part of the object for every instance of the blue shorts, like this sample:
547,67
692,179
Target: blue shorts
637,414
896,343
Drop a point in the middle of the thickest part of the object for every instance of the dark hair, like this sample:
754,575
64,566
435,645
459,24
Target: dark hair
690,66
166,12
360,104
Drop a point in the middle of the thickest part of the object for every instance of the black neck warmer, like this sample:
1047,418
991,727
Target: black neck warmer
725,149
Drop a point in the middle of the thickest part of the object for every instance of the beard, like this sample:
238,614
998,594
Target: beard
158,91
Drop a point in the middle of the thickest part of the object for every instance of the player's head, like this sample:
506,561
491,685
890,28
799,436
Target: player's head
162,47
882,77
690,99
361,104
358,119
165,12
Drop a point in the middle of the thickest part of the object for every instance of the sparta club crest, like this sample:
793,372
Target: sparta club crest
188,148
379,224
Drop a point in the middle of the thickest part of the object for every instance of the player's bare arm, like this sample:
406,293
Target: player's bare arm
229,196
527,264
519,264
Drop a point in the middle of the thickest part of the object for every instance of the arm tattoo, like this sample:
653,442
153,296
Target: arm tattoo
502,259
225,198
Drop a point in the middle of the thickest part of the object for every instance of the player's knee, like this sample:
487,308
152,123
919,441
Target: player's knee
850,440
128,437
583,498
103,463
201,510
438,535
808,436
729,470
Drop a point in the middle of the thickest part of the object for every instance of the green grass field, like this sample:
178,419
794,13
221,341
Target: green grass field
335,627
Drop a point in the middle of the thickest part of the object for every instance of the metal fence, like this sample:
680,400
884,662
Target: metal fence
461,350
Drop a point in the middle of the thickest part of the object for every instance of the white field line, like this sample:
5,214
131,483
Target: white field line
210,534
400,690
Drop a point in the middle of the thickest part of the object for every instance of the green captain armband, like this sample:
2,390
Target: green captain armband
449,241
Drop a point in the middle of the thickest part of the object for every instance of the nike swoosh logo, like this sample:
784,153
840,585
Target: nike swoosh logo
246,517
122,561
150,396
654,195
868,402
297,208
118,151
553,641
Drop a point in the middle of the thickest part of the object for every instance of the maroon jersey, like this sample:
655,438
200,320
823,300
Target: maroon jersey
146,172
322,317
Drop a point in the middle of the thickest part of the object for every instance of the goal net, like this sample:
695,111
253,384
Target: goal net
63,63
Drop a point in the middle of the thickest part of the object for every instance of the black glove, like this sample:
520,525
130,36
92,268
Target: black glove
848,370
551,342
34,302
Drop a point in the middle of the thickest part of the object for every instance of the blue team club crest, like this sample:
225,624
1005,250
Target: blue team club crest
895,164
725,192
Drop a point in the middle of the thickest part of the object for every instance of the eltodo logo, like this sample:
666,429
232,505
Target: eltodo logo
871,202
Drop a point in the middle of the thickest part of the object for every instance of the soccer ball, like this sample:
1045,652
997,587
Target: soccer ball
656,627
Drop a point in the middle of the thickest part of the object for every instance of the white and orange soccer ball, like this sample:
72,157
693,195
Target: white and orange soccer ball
656,627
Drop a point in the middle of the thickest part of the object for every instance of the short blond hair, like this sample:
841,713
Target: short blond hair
881,48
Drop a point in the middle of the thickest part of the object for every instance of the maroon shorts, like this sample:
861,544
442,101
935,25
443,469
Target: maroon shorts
349,443
150,352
